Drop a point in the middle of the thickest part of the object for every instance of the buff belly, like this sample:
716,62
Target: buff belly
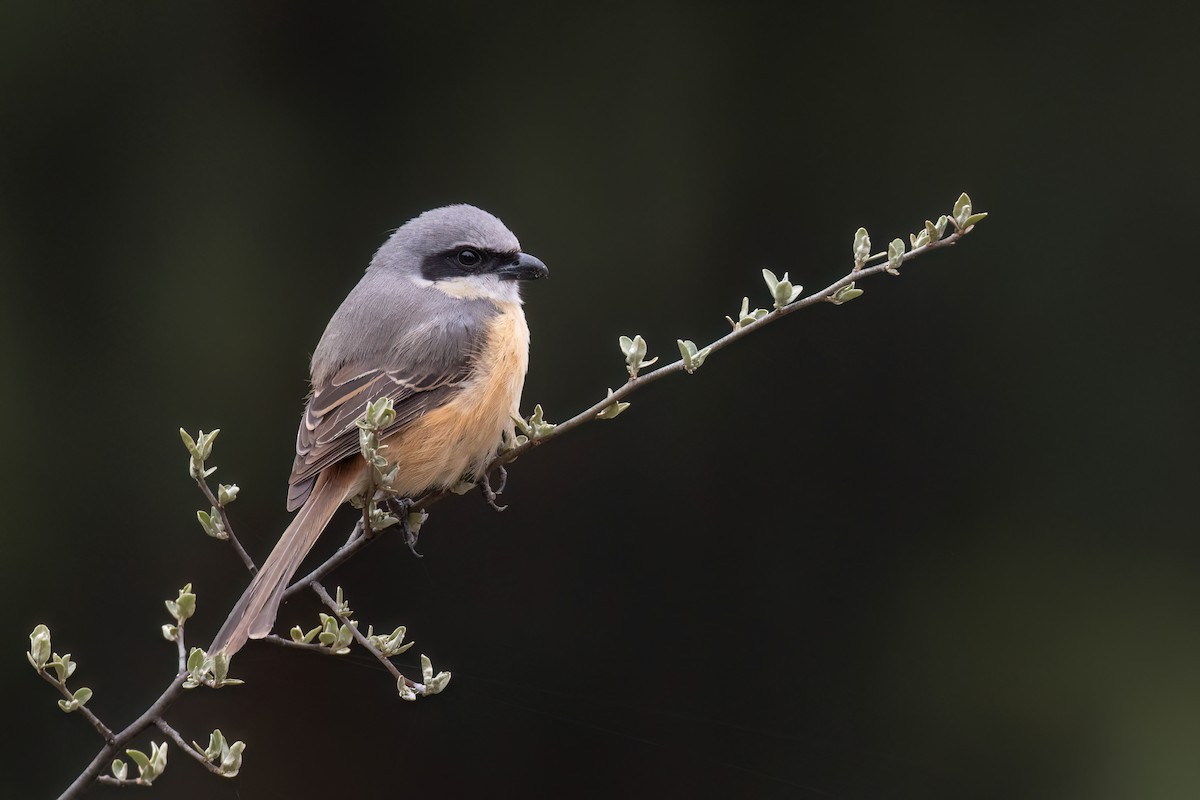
463,435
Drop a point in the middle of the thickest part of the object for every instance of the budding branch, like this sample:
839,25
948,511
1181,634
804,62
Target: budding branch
362,535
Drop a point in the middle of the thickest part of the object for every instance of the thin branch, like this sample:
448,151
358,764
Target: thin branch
343,554
100,727
182,648
508,456
307,646
633,384
186,747
359,539
359,637
233,540
105,756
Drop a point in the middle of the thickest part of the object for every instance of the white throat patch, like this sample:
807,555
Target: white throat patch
475,287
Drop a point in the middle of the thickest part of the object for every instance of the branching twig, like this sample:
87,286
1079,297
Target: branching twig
102,759
343,554
220,507
359,637
633,384
100,727
362,535
162,725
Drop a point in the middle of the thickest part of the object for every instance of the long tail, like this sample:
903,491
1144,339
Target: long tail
254,615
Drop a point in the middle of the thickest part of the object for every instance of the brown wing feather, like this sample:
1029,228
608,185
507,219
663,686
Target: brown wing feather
328,430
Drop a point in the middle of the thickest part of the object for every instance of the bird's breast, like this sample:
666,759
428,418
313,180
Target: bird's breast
463,435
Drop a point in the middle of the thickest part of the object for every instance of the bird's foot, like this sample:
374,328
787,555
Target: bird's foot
399,507
489,493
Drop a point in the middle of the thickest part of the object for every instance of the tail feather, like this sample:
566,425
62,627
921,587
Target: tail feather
254,615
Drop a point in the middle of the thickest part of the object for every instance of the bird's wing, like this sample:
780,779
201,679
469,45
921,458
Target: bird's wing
328,432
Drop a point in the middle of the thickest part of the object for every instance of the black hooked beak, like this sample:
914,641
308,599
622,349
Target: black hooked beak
523,268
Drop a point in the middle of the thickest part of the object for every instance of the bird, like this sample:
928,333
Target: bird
436,324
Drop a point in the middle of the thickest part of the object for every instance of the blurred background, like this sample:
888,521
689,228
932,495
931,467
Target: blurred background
933,543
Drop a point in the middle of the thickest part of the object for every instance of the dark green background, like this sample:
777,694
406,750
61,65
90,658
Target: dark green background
935,543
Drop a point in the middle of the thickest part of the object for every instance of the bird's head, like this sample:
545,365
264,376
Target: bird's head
462,251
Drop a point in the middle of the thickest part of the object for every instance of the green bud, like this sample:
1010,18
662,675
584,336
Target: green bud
141,759
340,645
862,247
406,692
895,253
210,521
183,607
378,415
216,745
227,757
845,294
630,347
226,494
783,292
781,289
437,683
329,630
612,410
392,644
387,477
919,239
39,647
120,769
746,316
973,220
170,632
538,427
771,281
962,210
78,700
205,443
63,666
189,443
343,607
433,683
931,231
368,443
199,669
693,359
635,354
426,669
206,670
381,520
156,764
298,635
940,226
231,759
199,449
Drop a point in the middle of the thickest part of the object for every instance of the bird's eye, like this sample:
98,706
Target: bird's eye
468,257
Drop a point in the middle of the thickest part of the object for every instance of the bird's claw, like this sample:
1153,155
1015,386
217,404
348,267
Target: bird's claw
400,507
490,494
